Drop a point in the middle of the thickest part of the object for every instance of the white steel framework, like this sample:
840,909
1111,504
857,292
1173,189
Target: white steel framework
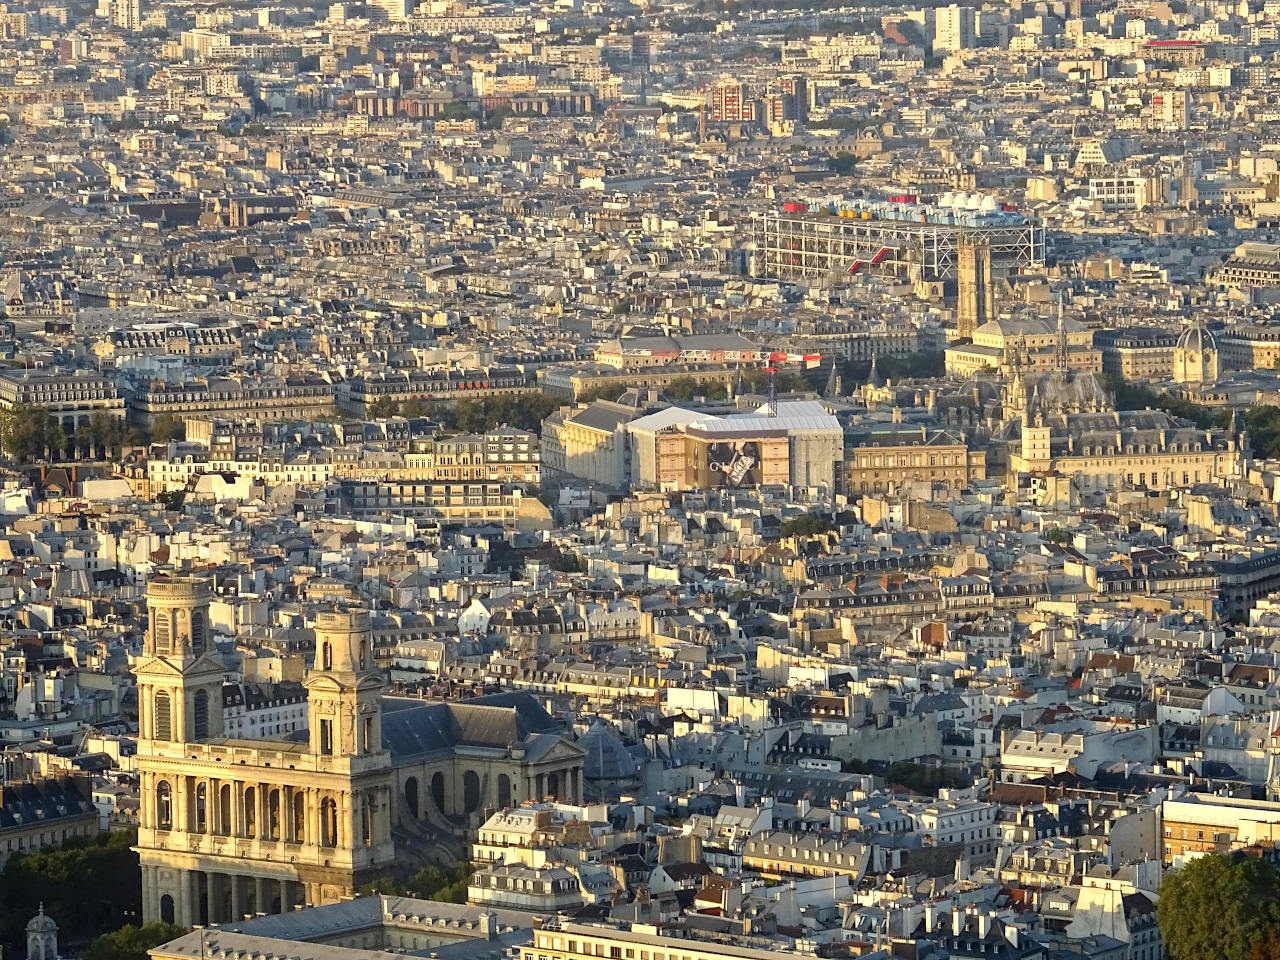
818,246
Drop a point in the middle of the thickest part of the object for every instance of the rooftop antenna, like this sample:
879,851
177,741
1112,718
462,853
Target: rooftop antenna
772,370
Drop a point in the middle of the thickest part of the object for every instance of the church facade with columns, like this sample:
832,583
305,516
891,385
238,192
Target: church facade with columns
236,827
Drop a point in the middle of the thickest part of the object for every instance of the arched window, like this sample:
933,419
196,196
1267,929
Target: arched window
411,796
250,812
437,792
200,715
273,814
164,805
162,631
326,656
364,653
504,790
470,791
328,822
163,721
202,808
166,908
197,631
366,820
299,817
224,810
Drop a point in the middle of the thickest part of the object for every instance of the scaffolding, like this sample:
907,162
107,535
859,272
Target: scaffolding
825,247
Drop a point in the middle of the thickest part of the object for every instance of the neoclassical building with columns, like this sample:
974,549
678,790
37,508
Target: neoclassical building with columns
233,827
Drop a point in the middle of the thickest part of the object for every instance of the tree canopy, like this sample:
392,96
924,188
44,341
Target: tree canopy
131,942
807,525
429,883
686,388
87,886
526,411
1220,907
27,431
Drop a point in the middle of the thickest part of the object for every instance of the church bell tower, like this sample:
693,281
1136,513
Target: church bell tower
179,678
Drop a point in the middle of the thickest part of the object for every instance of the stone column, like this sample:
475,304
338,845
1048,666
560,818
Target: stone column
260,895
179,800
150,902
211,897
237,810
313,816
237,897
542,788
185,909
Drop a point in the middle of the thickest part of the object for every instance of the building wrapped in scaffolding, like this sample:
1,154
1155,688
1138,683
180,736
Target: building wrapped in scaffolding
834,240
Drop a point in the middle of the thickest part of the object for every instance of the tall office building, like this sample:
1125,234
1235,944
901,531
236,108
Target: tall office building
955,28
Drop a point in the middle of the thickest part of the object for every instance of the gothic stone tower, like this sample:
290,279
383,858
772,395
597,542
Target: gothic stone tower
974,306
235,827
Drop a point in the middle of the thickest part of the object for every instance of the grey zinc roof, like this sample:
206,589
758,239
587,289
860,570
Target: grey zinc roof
294,934
412,728
602,415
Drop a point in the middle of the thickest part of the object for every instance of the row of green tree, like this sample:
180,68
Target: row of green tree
924,365
430,883
474,414
86,885
29,432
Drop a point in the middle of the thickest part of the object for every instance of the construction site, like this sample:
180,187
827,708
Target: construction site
832,241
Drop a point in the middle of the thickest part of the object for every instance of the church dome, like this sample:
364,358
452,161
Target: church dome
607,756
41,923
1197,339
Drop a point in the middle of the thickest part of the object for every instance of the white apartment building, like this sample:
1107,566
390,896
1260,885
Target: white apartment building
252,711
955,28
969,822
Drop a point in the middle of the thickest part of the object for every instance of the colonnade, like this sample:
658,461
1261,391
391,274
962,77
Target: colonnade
264,811
207,897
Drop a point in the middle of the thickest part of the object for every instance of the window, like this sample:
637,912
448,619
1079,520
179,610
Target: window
197,632
162,631
164,805
299,817
250,812
328,822
200,715
163,723
326,737
202,808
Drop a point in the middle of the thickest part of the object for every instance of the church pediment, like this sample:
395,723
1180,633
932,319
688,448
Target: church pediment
565,751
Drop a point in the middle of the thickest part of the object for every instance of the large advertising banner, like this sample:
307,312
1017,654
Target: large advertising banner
734,463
